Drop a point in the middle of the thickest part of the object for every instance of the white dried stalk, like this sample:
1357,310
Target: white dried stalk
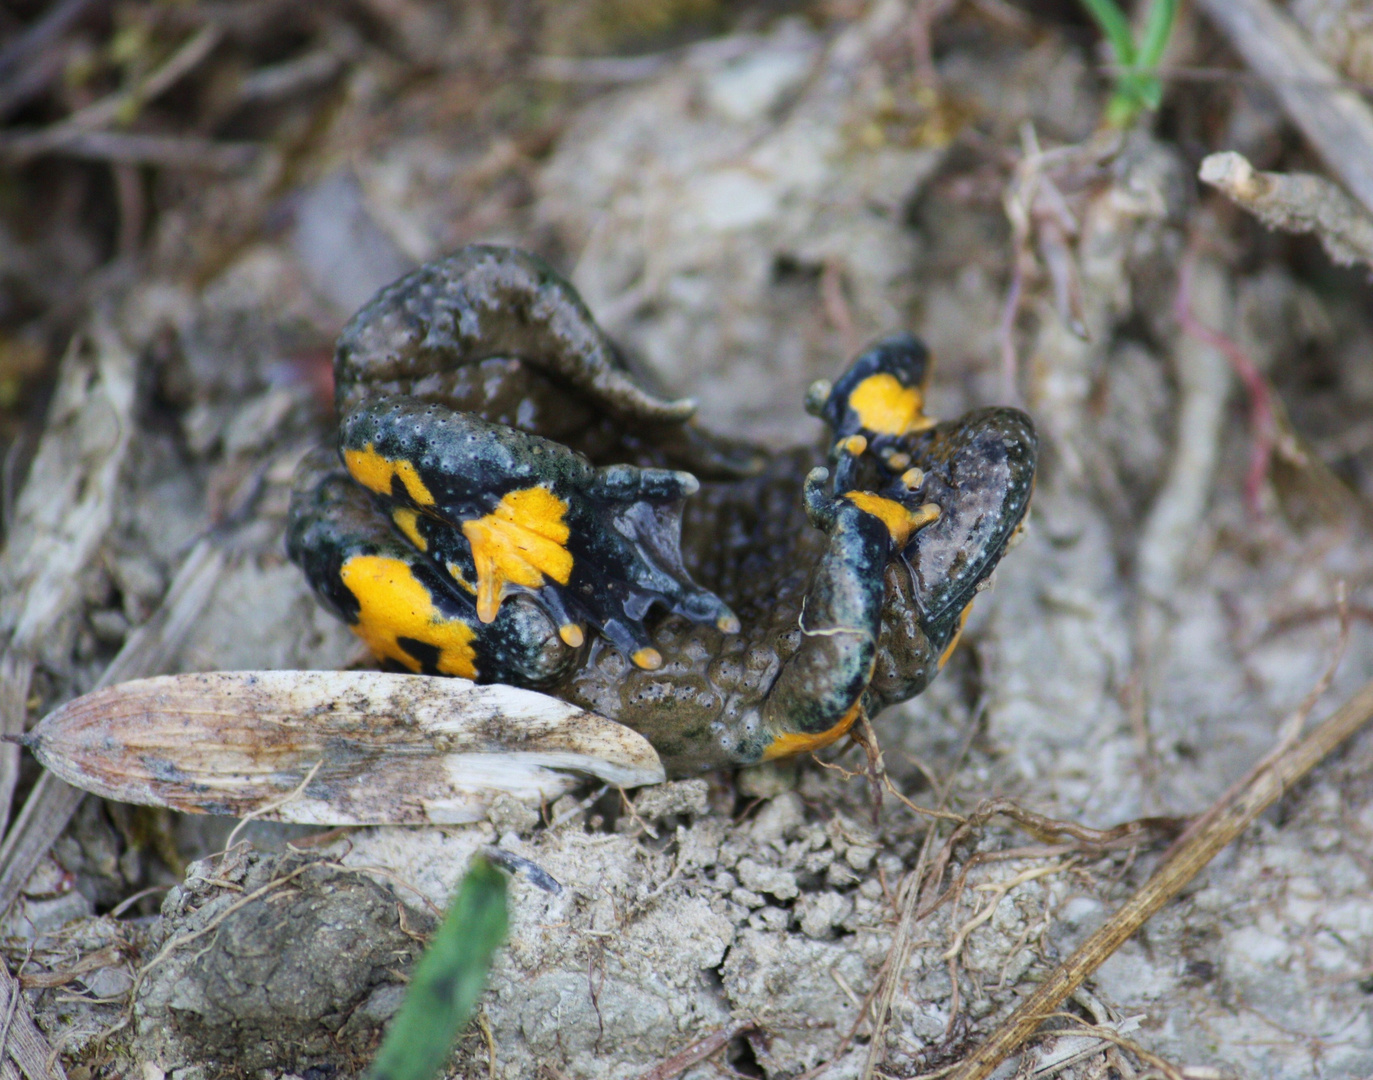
1296,203
1334,117
61,518
386,749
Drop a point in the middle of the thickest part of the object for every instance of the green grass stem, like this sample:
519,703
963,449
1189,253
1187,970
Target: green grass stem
448,980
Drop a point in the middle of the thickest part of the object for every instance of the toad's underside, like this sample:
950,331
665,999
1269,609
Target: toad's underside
513,507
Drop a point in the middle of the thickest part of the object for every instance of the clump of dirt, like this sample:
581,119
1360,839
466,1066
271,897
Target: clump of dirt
266,962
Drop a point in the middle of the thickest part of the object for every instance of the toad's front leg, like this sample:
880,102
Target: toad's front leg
818,692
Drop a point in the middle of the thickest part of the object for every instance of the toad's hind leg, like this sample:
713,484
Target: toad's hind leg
427,334
500,512
394,598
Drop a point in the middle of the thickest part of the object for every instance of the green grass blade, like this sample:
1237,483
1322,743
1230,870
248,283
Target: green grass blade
1157,30
1116,27
448,980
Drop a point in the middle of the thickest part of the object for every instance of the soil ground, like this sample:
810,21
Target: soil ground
745,194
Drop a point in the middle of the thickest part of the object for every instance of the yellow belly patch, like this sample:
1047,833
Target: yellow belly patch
407,521
953,641
793,743
885,407
900,520
375,473
393,604
521,542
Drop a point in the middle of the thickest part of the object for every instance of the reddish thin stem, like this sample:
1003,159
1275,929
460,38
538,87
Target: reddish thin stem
1262,425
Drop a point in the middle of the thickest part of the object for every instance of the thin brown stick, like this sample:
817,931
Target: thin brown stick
125,148
923,811
865,737
1045,829
490,1039
1224,822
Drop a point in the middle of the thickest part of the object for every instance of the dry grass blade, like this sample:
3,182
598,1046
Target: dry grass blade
52,802
46,812
1224,822
24,1043
62,515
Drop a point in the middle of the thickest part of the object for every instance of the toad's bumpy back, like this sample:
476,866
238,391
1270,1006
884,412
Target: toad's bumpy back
507,504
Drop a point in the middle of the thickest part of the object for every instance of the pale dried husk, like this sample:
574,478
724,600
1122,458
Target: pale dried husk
333,747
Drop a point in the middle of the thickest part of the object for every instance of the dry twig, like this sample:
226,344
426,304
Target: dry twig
698,1051
125,148
1225,821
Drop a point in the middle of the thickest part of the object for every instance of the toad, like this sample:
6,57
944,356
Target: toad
508,504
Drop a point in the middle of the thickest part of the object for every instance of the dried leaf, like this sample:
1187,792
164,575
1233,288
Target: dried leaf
333,747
